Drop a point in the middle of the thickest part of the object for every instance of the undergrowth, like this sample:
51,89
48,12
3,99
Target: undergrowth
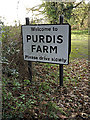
43,99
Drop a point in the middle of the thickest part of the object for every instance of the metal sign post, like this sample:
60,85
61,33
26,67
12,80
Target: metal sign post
29,63
61,65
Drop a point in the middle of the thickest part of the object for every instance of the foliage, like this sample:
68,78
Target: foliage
43,98
1,21
74,13
52,10
80,14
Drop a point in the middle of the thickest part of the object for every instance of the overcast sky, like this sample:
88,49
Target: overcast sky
16,10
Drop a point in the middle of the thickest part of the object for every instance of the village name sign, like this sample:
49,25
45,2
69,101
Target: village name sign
46,43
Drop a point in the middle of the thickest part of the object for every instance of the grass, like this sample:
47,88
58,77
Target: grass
79,44
80,32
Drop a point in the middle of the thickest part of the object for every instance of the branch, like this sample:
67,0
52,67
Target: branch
77,5
35,8
73,6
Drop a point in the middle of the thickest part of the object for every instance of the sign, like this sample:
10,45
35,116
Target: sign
46,43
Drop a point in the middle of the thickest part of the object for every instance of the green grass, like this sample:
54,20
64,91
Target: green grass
79,44
80,32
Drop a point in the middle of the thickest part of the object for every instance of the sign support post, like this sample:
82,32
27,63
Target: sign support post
61,65
29,63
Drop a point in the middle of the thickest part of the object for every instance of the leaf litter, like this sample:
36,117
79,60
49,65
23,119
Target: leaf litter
46,100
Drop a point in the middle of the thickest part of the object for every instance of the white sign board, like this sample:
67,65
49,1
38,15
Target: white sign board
46,43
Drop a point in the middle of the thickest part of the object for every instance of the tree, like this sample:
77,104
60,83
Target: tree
52,10
80,14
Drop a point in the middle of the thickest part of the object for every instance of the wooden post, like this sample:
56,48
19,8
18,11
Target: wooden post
29,63
61,65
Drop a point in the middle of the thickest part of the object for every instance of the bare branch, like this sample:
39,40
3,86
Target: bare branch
73,6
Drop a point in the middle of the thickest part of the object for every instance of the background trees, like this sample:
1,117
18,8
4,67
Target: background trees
74,13
80,14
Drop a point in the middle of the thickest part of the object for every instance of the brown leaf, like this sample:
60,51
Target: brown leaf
63,117
73,115
44,102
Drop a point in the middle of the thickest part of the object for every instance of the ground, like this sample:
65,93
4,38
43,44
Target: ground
44,98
